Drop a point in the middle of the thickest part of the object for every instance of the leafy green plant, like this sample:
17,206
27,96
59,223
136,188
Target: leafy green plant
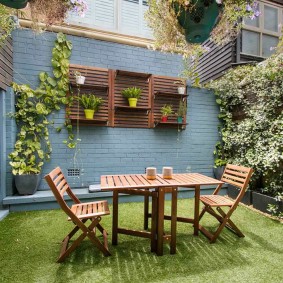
182,110
219,157
90,101
166,110
132,92
32,146
6,22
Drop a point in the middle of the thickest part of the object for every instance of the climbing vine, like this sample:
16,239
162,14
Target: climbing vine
251,104
33,108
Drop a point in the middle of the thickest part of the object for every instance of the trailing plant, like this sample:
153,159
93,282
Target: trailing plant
7,23
166,110
33,108
132,92
251,103
90,101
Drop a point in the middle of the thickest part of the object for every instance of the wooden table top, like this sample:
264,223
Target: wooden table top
111,182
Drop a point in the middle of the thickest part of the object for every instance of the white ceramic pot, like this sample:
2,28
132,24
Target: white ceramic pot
80,80
181,90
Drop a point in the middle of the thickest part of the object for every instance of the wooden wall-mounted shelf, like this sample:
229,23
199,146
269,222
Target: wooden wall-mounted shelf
115,112
132,74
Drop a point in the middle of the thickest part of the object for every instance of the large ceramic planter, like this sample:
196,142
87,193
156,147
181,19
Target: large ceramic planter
234,191
27,184
89,113
133,102
261,202
218,172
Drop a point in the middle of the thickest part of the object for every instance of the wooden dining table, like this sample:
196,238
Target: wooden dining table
138,184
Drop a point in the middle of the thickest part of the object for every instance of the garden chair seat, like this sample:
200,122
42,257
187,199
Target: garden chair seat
238,176
79,213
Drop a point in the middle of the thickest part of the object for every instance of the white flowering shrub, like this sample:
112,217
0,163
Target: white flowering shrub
255,138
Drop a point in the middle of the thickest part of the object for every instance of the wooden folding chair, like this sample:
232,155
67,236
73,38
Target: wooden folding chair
238,176
79,213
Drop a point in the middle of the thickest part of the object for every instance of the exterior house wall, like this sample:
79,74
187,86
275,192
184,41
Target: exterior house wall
105,150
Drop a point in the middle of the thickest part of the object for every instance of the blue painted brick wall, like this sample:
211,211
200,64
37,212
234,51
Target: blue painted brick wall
105,150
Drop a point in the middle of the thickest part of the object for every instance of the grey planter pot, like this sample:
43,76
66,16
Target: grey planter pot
218,172
234,191
27,184
261,202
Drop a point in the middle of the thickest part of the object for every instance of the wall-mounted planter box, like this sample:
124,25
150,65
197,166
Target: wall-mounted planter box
261,202
234,191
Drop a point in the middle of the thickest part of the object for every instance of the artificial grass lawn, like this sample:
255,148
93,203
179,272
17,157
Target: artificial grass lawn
30,244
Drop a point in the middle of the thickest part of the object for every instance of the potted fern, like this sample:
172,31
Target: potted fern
132,94
166,110
90,103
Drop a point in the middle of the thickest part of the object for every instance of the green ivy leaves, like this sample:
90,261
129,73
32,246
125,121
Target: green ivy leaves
33,107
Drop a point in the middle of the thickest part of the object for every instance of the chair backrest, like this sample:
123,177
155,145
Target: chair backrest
238,176
59,186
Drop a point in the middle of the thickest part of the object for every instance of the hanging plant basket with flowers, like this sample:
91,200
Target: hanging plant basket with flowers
181,25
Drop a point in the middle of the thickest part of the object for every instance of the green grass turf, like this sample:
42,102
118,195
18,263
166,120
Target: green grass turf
30,244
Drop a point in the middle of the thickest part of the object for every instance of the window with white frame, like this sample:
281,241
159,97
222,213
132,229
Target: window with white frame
260,35
121,16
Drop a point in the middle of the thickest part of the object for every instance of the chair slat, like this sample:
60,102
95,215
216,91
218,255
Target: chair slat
238,168
240,185
234,178
237,173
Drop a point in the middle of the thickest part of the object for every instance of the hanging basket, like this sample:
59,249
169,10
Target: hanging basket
199,21
16,4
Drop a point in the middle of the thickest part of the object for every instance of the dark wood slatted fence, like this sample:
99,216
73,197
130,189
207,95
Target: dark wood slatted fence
6,64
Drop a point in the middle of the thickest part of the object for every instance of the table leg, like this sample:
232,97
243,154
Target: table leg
115,218
173,221
160,221
146,206
196,216
154,221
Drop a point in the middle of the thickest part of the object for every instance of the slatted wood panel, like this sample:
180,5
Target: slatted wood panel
97,83
6,64
127,117
213,63
166,92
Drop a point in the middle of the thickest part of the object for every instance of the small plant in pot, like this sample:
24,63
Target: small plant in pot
219,161
181,112
90,103
132,94
80,80
182,83
166,110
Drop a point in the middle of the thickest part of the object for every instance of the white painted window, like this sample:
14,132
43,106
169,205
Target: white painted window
122,16
259,36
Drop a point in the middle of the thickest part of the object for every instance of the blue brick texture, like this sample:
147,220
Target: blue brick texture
105,150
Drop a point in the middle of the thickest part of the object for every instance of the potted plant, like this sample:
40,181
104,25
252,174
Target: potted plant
80,80
90,103
32,146
166,110
182,84
181,112
132,94
219,161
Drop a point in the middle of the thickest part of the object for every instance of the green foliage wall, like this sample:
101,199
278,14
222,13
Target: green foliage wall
255,140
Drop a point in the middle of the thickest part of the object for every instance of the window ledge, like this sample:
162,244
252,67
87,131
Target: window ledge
88,32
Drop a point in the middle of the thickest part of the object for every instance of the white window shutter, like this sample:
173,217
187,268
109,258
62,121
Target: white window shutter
130,17
104,14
